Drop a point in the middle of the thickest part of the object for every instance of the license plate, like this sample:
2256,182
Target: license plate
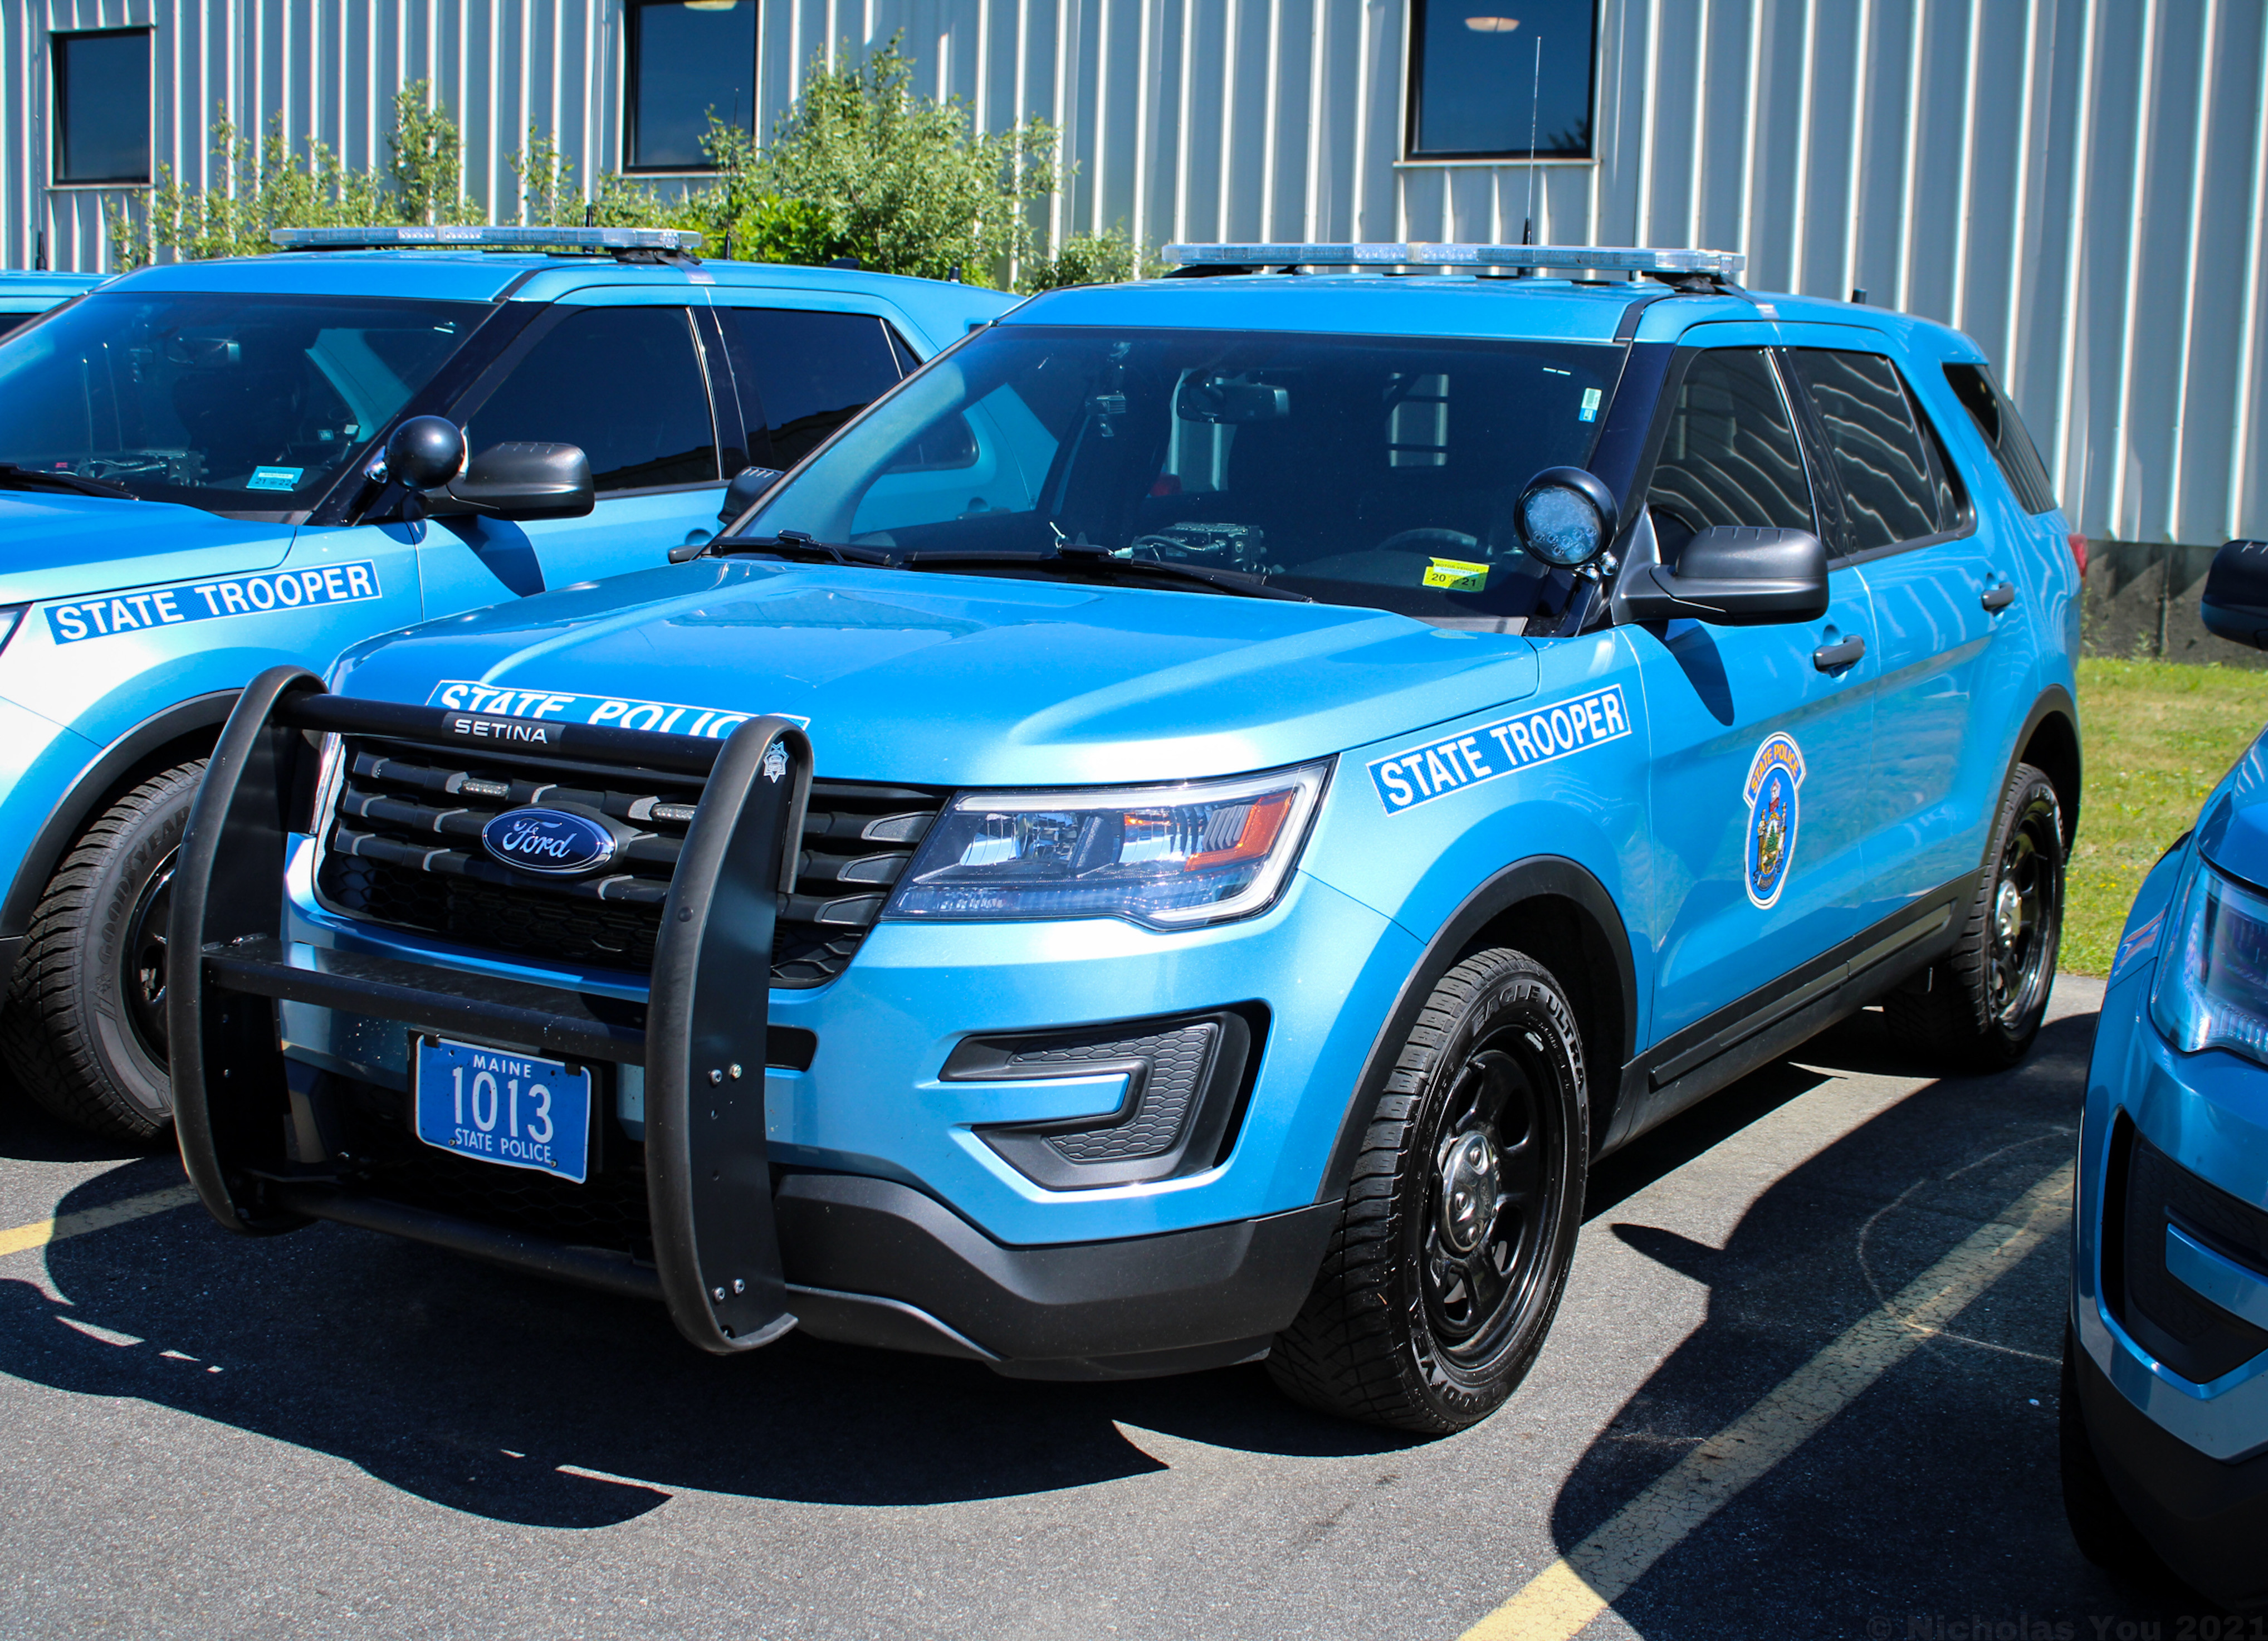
504,1107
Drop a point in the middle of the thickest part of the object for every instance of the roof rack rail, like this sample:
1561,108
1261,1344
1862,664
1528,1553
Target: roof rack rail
1723,266
629,245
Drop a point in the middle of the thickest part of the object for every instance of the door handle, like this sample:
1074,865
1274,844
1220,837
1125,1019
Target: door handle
1997,599
1833,657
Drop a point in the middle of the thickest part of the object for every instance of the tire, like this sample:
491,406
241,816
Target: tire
1978,1007
1452,1244
82,1028
2105,1533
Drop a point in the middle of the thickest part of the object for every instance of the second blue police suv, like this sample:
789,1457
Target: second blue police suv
1239,788
2165,1390
195,484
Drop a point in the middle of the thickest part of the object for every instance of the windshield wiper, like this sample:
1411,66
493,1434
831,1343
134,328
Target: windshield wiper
794,544
1243,582
15,478
1083,559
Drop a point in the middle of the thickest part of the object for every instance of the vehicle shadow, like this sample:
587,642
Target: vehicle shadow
1933,1498
496,1393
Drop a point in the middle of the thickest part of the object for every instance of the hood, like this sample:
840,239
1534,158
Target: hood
962,680
61,546
2233,833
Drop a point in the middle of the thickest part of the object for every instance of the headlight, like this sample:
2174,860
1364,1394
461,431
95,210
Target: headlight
1165,856
2211,989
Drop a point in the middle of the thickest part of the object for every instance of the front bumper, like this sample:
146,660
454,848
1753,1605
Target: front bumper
2163,1135
863,1141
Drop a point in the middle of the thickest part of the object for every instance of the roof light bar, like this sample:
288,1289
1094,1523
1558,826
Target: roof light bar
1417,254
451,237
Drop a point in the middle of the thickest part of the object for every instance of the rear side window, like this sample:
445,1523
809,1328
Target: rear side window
1980,394
1730,455
802,375
626,384
1894,487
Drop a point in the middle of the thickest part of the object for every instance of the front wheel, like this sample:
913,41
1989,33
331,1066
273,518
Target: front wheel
83,1026
1978,1008
1453,1241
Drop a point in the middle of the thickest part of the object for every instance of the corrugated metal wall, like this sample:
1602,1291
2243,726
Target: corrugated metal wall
2077,183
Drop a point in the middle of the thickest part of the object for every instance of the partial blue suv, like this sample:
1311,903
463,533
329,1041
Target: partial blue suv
24,296
2165,1390
193,487
1177,835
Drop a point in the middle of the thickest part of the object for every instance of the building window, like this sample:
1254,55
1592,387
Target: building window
1501,79
102,106
687,59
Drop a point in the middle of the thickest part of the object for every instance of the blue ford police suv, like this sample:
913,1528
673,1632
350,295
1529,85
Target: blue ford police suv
2165,1391
213,468
1176,836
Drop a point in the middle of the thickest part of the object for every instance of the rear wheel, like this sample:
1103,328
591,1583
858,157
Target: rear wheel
83,1026
1453,1241
1978,1008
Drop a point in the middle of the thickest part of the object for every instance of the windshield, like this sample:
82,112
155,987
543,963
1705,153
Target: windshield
1366,470
242,404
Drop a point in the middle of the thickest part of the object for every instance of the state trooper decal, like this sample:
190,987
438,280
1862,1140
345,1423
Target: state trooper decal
1774,791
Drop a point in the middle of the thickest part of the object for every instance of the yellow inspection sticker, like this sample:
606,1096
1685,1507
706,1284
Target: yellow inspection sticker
1456,575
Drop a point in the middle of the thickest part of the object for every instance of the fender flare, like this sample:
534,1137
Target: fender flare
94,783
1536,877
2053,702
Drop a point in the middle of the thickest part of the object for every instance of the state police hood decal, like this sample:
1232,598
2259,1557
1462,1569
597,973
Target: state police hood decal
557,842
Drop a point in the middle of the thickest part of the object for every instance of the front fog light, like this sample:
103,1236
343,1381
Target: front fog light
2211,989
1165,856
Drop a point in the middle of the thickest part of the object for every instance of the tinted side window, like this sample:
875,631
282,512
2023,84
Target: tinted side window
2018,458
1893,491
623,383
802,375
1730,455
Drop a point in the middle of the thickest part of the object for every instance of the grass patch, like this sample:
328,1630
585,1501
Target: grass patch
2158,737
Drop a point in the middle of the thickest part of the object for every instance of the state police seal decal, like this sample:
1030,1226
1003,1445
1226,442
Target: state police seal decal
1774,791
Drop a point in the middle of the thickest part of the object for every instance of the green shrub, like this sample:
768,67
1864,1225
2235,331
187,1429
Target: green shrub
263,186
862,167
1092,259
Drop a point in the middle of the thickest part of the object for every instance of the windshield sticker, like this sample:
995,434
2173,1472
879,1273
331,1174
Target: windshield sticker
274,478
659,717
1590,410
1773,790
208,600
1456,575
1410,778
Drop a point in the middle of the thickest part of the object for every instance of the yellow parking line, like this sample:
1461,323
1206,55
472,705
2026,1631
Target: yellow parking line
1565,1596
40,1232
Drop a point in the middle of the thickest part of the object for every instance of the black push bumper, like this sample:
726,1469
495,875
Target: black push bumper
737,1255
2207,1519
715,1253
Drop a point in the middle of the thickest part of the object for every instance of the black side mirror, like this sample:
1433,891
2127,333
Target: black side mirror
523,479
1734,576
2235,603
747,489
425,453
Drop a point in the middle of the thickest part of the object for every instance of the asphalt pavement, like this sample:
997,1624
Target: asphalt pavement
333,1433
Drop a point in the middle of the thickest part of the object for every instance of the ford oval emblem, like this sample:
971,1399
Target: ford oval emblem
554,841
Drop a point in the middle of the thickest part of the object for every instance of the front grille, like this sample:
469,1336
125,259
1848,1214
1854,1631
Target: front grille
2171,1321
403,848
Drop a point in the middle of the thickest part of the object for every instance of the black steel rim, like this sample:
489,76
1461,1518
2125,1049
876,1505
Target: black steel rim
1489,1201
142,961
2026,911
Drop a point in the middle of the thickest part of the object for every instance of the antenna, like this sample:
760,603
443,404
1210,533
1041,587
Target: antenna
1535,101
